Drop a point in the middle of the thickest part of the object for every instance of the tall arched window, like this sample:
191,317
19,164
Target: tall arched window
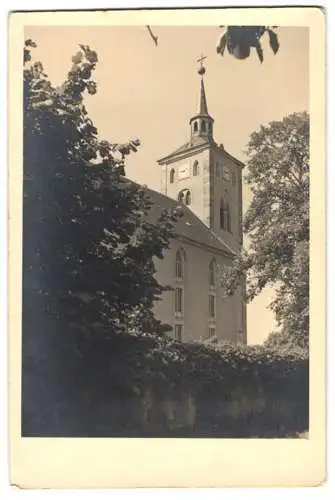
228,216
195,127
196,168
181,196
172,172
188,198
211,277
225,216
203,126
179,265
222,215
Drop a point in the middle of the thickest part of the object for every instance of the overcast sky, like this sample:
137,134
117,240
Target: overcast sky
151,92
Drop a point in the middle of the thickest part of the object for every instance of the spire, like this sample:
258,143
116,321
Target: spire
203,100
202,123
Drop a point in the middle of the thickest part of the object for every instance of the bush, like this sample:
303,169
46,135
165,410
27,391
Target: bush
146,386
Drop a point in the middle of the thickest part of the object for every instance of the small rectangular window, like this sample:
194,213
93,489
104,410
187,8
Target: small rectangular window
211,332
178,332
178,300
211,306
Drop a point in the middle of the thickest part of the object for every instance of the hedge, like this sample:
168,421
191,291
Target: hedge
92,385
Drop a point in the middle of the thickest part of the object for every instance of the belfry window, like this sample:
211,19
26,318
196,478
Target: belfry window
195,127
222,215
188,198
196,168
225,216
172,172
185,197
203,126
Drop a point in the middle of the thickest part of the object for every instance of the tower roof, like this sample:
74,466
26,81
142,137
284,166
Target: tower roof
203,101
201,136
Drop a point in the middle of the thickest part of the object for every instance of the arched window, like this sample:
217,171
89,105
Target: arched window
195,127
181,196
222,215
172,172
196,168
211,277
185,197
179,265
203,126
211,305
225,216
228,216
188,198
178,301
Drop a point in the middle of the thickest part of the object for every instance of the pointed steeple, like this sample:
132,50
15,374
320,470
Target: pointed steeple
202,123
203,101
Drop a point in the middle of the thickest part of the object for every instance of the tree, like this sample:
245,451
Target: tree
88,251
239,40
277,225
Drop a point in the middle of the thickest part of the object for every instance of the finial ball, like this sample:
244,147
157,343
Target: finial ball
202,70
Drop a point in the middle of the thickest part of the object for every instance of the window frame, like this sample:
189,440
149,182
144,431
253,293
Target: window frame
211,302
211,331
179,265
188,198
179,326
212,273
177,312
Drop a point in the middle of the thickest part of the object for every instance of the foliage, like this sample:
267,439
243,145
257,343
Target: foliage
88,249
99,386
239,40
277,224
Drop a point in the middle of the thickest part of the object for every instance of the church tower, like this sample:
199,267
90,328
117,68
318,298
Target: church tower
205,177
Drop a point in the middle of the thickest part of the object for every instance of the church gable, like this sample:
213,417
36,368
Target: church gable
189,225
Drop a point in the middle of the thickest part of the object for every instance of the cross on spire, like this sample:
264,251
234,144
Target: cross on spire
202,68
201,59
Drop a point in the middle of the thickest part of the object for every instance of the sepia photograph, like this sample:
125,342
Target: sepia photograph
166,229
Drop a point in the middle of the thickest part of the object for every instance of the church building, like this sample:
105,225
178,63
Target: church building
206,181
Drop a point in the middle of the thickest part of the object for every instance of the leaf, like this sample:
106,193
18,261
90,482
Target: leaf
274,44
77,58
259,52
221,45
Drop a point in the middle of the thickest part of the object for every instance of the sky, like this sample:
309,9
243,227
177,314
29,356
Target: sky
151,93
